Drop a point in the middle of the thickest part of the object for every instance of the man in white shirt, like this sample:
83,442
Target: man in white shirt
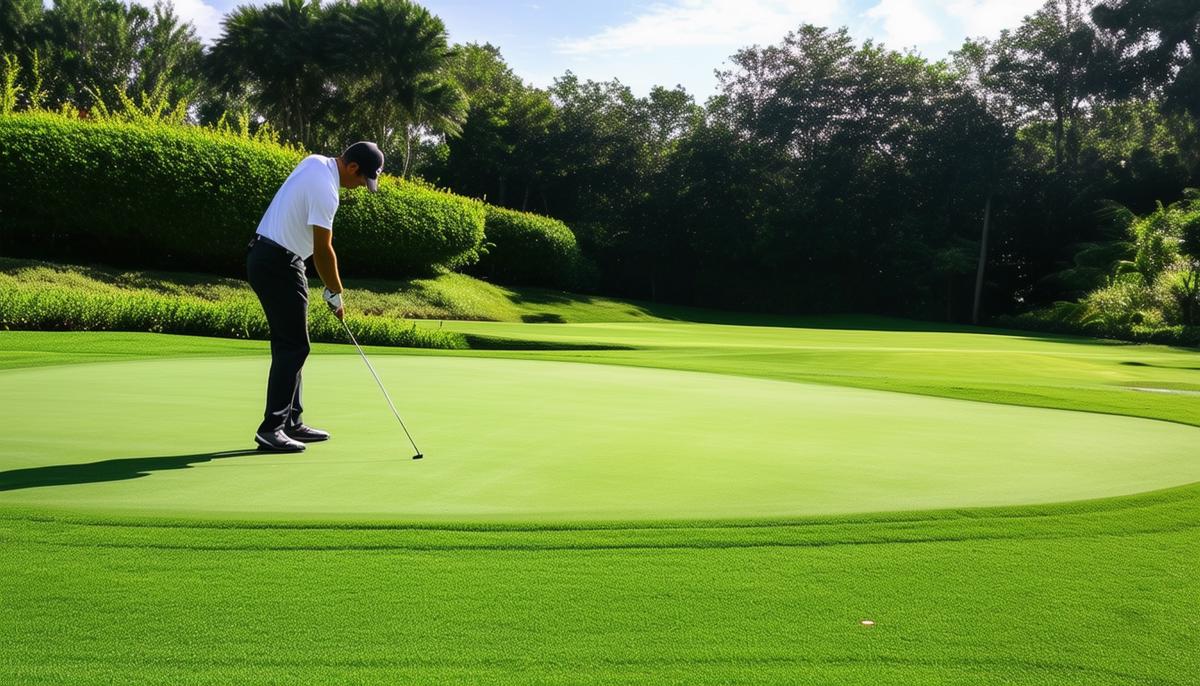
299,224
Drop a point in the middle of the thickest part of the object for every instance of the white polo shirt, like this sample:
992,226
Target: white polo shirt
308,198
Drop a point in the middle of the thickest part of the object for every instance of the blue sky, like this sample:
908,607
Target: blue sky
669,42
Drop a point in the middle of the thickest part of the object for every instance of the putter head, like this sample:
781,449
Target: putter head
418,456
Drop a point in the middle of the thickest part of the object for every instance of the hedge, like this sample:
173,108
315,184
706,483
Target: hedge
185,197
528,250
36,307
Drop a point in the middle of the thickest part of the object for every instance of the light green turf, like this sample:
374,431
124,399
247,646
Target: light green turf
444,296
545,441
1098,592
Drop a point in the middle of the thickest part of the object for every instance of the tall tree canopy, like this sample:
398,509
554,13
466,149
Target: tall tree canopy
825,174
1159,47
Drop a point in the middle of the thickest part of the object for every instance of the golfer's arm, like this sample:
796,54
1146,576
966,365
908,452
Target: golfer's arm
325,259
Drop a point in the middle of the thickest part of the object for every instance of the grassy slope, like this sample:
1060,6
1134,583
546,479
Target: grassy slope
1103,592
446,296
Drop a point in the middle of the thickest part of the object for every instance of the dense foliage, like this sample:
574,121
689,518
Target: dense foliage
827,175
159,195
529,249
824,175
1148,276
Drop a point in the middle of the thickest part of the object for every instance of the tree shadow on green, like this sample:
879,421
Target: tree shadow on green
543,318
106,470
1135,363
484,342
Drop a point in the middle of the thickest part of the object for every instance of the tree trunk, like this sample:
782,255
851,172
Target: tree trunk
983,241
407,151
949,297
1058,139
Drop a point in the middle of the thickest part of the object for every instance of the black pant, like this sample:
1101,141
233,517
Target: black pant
277,277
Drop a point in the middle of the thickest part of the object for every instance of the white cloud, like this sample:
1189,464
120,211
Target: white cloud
205,17
988,17
698,23
905,23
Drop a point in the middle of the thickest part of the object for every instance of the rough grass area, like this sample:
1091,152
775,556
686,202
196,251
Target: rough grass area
448,296
42,296
1101,592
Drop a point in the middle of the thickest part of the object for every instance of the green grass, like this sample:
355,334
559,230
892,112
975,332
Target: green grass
102,582
640,444
446,296
39,296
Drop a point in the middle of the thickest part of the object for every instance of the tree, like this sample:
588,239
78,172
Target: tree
1047,67
170,57
1158,44
994,120
401,86
280,56
98,52
18,23
867,171
502,150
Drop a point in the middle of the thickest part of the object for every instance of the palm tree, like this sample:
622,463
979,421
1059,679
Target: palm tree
280,56
395,58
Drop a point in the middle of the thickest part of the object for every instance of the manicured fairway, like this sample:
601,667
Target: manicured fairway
737,541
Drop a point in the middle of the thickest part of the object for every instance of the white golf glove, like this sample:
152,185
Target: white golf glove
334,300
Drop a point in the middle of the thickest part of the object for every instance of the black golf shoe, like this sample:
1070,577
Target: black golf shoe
277,442
306,434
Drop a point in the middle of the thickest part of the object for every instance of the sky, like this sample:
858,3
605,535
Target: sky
676,42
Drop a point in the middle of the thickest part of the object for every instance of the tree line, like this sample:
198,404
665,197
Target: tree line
824,175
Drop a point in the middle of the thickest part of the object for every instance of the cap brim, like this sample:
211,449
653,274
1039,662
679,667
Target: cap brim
373,185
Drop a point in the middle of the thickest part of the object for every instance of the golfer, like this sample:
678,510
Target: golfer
297,225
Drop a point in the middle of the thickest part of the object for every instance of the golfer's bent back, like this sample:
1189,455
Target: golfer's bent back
299,224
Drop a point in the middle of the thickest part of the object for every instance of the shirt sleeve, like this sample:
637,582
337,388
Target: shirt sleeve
321,208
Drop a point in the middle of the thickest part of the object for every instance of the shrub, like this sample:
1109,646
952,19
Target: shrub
407,229
528,249
1118,303
160,195
1066,318
25,306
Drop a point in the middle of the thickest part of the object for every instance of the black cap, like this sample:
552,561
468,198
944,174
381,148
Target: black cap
369,159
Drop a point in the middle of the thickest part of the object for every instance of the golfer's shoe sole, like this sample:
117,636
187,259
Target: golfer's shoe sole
276,445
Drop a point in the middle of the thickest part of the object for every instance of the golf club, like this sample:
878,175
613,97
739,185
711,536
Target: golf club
346,326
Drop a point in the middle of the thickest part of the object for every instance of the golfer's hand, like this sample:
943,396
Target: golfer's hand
334,300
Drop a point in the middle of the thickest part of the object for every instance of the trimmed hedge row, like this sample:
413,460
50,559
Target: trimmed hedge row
529,250
182,197
36,307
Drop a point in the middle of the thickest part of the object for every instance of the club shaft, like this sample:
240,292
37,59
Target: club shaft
380,382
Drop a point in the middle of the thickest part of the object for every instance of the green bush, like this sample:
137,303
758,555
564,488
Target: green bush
1068,318
163,195
528,249
407,229
31,306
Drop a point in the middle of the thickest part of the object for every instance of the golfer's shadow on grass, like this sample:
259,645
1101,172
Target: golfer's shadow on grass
106,470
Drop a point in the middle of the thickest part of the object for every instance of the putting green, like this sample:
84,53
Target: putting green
519,440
